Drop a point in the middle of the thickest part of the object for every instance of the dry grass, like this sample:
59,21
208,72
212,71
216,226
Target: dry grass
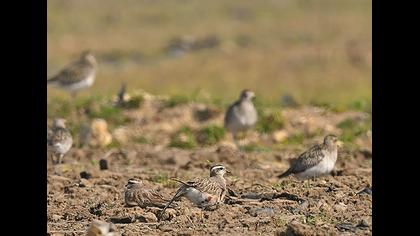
316,50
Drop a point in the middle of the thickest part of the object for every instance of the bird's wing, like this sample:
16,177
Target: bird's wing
308,159
209,185
231,112
73,73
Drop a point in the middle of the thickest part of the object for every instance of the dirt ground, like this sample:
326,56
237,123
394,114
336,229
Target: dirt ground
338,204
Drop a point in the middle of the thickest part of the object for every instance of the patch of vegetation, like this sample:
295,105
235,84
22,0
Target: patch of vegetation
141,139
210,135
361,105
114,144
133,103
352,128
279,186
280,222
310,220
183,139
59,108
164,180
268,123
176,100
255,148
295,139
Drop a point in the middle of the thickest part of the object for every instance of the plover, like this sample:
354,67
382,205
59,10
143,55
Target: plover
318,160
136,194
241,115
204,193
78,75
59,140
101,228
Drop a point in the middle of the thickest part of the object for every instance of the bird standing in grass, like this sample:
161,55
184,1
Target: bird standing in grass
241,115
136,194
59,140
76,76
318,160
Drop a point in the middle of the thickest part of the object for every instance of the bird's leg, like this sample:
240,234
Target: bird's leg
60,158
235,139
53,159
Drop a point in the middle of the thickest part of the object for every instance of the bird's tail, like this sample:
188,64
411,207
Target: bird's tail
182,182
285,174
178,193
52,80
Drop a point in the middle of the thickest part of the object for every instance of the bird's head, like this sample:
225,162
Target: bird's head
332,141
59,123
89,57
218,170
247,94
132,182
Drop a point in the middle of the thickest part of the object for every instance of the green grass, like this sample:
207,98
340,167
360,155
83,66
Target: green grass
210,135
268,123
183,139
295,139
352,129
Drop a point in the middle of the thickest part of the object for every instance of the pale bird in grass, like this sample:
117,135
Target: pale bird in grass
59,140
317,161
76,76
241,115
204,193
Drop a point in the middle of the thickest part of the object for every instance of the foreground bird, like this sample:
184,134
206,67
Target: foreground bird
101,228
241,115
204,193
318,160
59,140
78,75
137,195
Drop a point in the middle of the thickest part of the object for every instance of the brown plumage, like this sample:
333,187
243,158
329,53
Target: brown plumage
203,193
316,161
137,195
59,140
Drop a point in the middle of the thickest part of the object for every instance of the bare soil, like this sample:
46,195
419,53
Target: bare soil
330,205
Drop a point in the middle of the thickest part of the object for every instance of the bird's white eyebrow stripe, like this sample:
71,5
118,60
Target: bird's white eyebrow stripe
217,167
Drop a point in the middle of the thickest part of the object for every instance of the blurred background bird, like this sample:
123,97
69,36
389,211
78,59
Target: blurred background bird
76,76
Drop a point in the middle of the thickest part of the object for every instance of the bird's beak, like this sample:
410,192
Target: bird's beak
340,143
228,172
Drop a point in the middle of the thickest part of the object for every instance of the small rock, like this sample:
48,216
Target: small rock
123,220
100,136
148,217
345,227
85,175
261,211
55,217
363,224
366,190
280,135
84,183
103,164
340,207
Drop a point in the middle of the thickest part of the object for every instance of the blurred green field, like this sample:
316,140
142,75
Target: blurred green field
318,51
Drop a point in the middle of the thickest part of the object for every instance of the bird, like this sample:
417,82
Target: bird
136,194
59,140
76,76
241,115
101,228
204,193
316,161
